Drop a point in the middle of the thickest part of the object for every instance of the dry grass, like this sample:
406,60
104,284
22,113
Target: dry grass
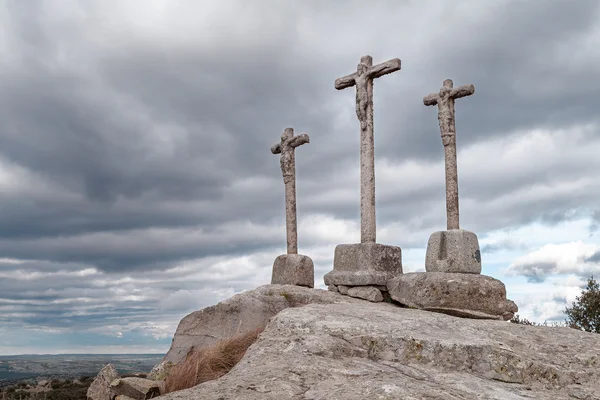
209,363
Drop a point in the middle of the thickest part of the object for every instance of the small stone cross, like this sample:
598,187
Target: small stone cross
286,148
445,102
363,80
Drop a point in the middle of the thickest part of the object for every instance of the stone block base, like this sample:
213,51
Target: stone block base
364,264
461,295
293,269
455,250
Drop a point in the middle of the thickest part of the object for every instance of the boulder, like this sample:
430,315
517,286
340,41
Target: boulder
160,371
463,295
135,388
243,312
100,387
380,351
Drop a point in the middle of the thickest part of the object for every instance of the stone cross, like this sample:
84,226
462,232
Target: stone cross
286,148
363,80
445,102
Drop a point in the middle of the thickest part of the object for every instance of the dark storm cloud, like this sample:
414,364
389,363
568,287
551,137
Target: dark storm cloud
146,147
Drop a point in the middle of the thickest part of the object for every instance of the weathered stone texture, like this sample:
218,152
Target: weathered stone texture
379,351
465,295
286,148
135,388
160,371
362,79
456,250
293,269
100,387
369,293
364,264
243,312
446,116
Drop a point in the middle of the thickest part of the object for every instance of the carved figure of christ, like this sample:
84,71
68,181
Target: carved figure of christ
286,147
446,116
363,80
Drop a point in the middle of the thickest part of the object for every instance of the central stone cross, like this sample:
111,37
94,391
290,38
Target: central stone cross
363,80
445,102
363,269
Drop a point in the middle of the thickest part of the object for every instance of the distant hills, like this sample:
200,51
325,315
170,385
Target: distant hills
14,368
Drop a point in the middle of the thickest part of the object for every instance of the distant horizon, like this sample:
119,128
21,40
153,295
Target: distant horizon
81,354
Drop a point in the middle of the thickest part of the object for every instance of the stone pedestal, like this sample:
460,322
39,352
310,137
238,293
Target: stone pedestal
462,295
364,264
293,269
455,250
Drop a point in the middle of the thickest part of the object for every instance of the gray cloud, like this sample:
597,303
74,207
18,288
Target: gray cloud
132,147
595,258
536,272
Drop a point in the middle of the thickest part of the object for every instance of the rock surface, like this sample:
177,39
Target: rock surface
455,250
100,387
293,269
364,264
380,351
241,313
135,388
160,371
463,295
369,293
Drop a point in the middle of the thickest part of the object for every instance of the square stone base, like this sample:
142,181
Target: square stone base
293,269
455,250
364,264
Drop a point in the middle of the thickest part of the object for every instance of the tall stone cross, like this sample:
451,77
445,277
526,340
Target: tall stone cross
363,80
445,102
286,148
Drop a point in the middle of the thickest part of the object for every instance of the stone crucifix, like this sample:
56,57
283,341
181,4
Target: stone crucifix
445,102
286,148
363,80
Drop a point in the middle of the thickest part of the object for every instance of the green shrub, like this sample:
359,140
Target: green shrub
584,313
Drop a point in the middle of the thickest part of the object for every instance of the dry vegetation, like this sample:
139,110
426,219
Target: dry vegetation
210,363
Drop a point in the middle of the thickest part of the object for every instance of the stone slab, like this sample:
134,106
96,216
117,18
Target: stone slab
364,264
369,293
462,295
293,269
455,250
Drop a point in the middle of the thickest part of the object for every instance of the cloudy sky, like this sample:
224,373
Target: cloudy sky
137,184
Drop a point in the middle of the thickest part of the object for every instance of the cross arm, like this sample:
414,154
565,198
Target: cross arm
430,99
384,68
345,81
276,148
299,140
462,91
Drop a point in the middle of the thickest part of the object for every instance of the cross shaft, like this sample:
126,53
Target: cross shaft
363,80
446,117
